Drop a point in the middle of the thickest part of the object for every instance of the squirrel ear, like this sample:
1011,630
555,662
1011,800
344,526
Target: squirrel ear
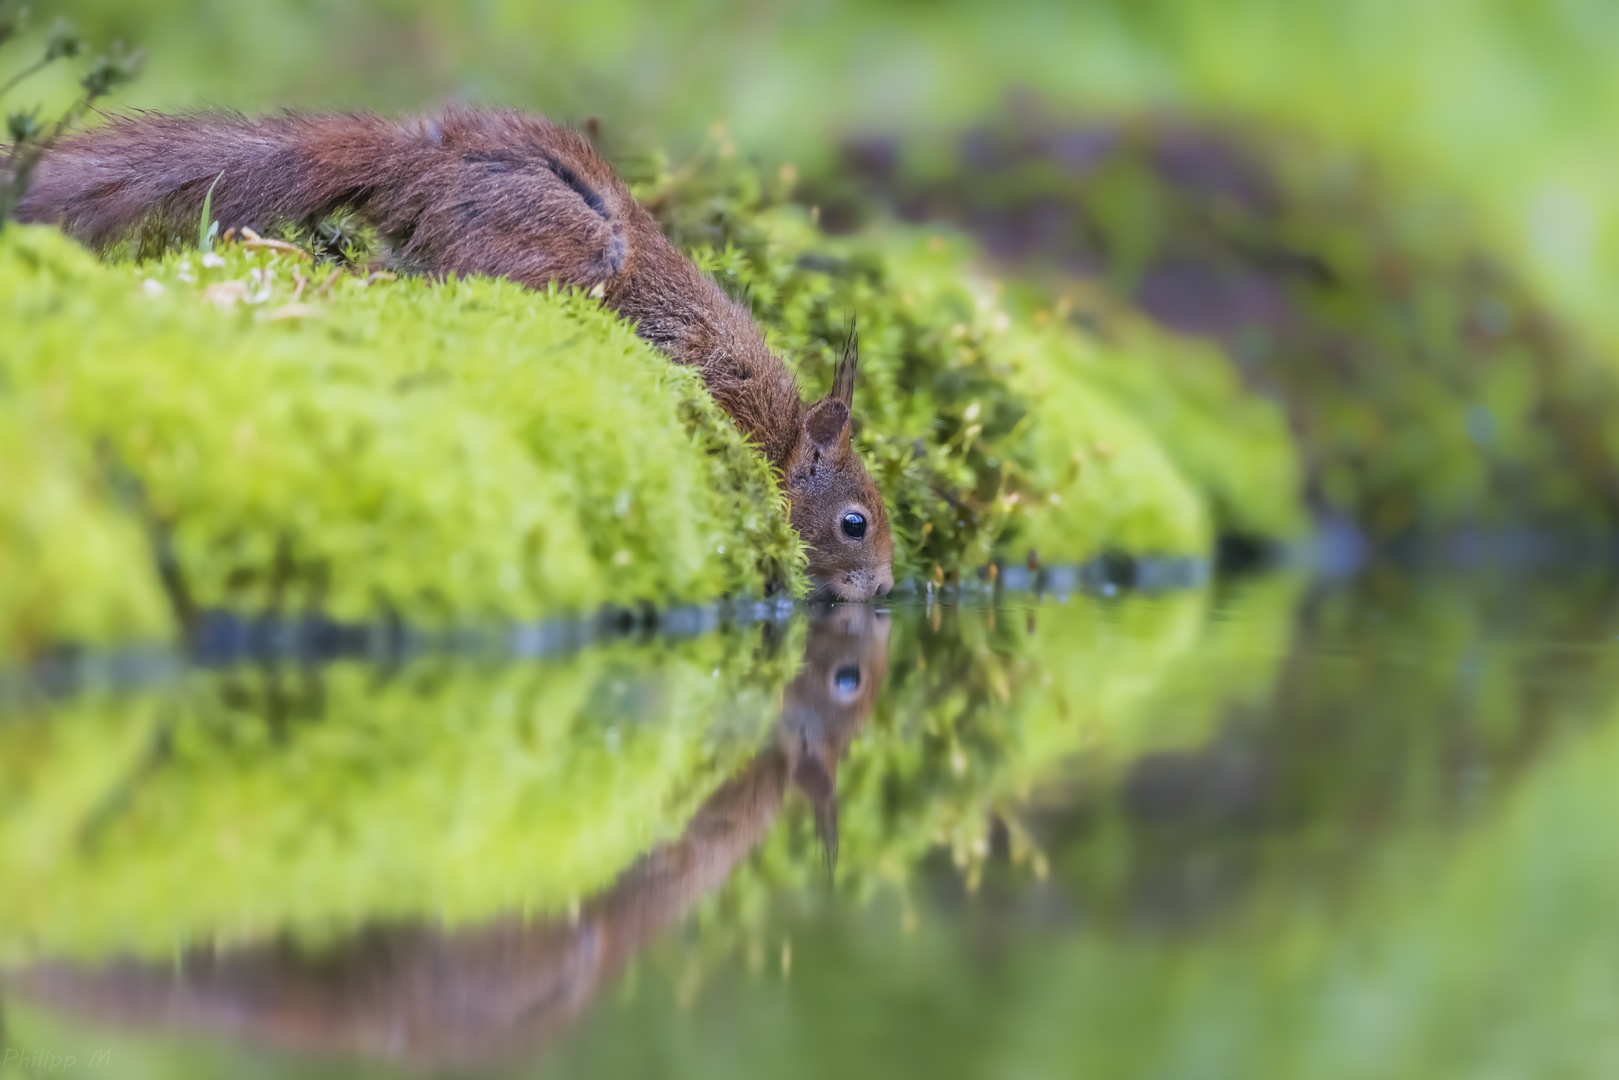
843,374
827,423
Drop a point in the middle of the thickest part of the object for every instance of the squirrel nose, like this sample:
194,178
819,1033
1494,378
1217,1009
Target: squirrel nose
884,589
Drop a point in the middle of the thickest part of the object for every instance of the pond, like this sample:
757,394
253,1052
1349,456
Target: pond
1275,826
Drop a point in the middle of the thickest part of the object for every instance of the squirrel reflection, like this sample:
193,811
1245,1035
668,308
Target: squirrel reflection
437,996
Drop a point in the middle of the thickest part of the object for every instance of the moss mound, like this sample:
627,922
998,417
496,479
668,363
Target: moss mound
297,439
1233,447
470,450
72,566
995,430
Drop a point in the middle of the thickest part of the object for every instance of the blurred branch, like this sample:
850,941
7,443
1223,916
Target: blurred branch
64,42
12,21
29,138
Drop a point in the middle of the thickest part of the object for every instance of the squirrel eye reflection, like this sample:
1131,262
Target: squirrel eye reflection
854,525
847,679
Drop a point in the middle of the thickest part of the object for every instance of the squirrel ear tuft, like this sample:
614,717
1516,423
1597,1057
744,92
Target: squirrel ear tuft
827,422
826,831
813,778
843,374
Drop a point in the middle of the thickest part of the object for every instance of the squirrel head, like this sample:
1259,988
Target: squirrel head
835,506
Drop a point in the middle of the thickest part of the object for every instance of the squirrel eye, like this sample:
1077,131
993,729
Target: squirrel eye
854,525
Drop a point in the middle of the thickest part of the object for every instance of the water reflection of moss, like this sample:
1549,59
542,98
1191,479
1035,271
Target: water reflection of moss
986,711
243,806
1290,797
1184,763
1413,902
986,706
1497,954
1492,956
1357,905
1451,960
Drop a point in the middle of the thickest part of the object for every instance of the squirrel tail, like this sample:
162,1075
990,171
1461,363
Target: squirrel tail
101,184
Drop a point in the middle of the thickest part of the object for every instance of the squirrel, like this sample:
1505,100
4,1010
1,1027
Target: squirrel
503,193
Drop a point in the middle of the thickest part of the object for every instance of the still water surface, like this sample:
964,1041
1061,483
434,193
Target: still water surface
1274,828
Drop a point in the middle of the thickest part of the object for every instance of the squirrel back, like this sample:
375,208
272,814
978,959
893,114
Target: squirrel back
496,192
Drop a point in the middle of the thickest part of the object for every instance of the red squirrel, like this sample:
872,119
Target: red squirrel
497,192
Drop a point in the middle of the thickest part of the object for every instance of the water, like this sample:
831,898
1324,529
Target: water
1271,828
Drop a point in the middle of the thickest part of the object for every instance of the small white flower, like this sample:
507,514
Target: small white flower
260,292
225,293
212,261
152,287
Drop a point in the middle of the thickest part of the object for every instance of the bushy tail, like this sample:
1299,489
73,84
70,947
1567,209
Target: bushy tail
100,185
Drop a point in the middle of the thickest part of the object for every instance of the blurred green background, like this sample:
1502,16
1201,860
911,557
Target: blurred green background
1503,105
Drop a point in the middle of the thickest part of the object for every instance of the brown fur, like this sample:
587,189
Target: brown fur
474,994
482,191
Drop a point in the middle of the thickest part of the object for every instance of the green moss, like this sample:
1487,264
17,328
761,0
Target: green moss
469,450
1233,447
73,566
1102,482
